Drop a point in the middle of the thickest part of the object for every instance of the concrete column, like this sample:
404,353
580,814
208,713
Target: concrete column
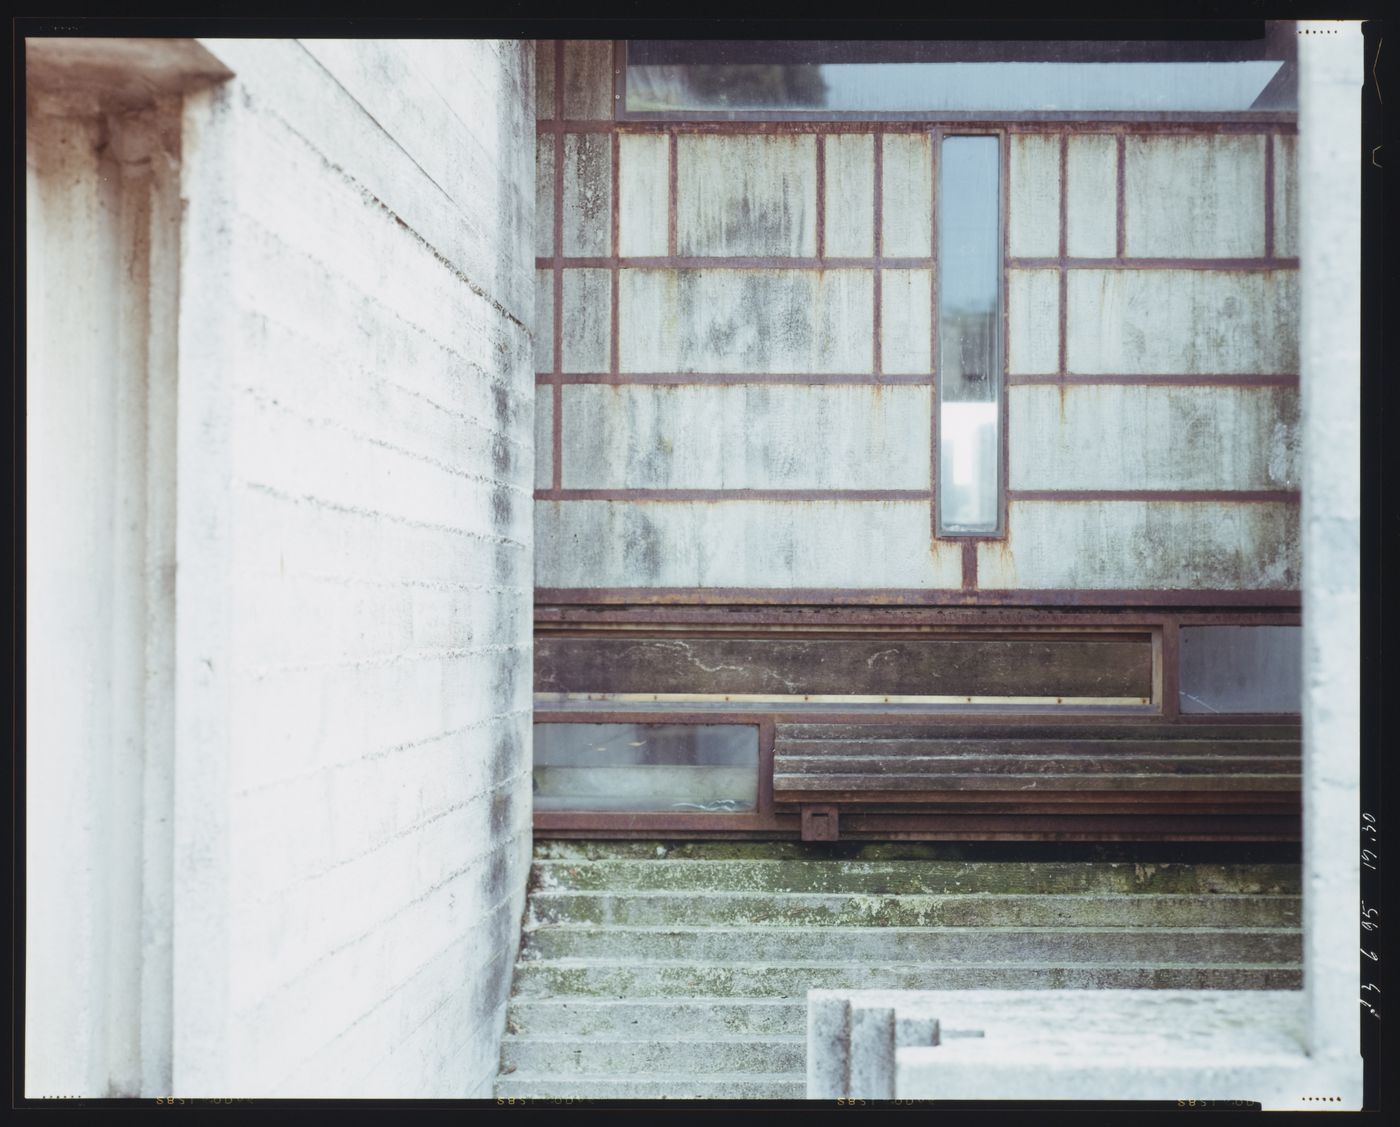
1329,172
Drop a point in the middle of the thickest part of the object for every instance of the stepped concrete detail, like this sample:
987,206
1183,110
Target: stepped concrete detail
653,970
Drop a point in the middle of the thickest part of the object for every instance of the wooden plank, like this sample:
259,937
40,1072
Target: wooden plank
1090,767
1040,727
1017,782
1037,748
896,667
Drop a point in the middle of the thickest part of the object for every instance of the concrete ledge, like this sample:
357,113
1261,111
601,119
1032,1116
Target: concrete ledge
1085,1045
118,74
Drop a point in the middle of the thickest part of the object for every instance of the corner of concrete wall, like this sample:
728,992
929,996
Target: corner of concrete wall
356,568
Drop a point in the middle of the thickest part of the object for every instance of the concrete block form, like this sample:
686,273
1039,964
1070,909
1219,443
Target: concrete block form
746,195
1033,318
756,436
746,321
544,436
1164,437
1194,196
643,179
1285,194
543,328
587,320
1035,196
588,80
906,312
1165,322
740,544
1091,189
1144,545
544,195
850,194
907,195
588,192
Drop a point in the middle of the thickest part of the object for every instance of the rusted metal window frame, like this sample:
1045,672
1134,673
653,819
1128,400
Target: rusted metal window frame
1267,124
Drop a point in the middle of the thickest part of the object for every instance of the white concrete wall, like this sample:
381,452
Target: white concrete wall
352,608
363,257
102,214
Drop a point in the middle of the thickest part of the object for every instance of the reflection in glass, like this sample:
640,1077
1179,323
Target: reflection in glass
685,768
969,355
776,77
1241,669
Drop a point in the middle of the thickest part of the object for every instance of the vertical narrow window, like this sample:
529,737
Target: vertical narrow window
969,352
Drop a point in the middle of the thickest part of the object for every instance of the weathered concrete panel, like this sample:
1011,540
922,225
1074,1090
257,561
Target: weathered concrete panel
1285,195
907,198
1163,437
753,436
544,321
1033,312
761,321
906,312
850,195
544,436
746,195
544,79
587,320
1035,195
643,172
1091,192
587,194
588,80
1132,545
740,544
1169,321
544,195
1194,197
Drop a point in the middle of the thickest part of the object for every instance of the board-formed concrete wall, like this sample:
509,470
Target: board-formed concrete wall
353,582
739,383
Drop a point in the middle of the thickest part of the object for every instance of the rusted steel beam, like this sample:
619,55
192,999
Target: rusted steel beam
720,596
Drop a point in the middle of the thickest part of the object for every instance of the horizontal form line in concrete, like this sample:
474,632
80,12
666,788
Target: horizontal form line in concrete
837,121
917,597
875,262
706,378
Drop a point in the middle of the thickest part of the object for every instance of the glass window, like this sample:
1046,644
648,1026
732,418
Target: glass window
1241,669
681,768
1246,66
969,350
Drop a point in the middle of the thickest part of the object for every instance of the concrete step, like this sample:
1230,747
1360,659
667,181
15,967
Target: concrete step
912,877
654,1086
626,979
814,909
1061,946
682,1051
657,1017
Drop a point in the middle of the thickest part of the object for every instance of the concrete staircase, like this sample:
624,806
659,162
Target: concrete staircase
681,970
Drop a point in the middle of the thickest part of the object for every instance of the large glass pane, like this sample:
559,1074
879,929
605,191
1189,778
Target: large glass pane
1246,67
969,352
1241,669
639,767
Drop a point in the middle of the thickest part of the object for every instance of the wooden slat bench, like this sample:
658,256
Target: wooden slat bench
1193,780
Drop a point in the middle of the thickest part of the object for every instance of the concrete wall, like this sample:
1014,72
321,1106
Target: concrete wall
738,313
352,531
